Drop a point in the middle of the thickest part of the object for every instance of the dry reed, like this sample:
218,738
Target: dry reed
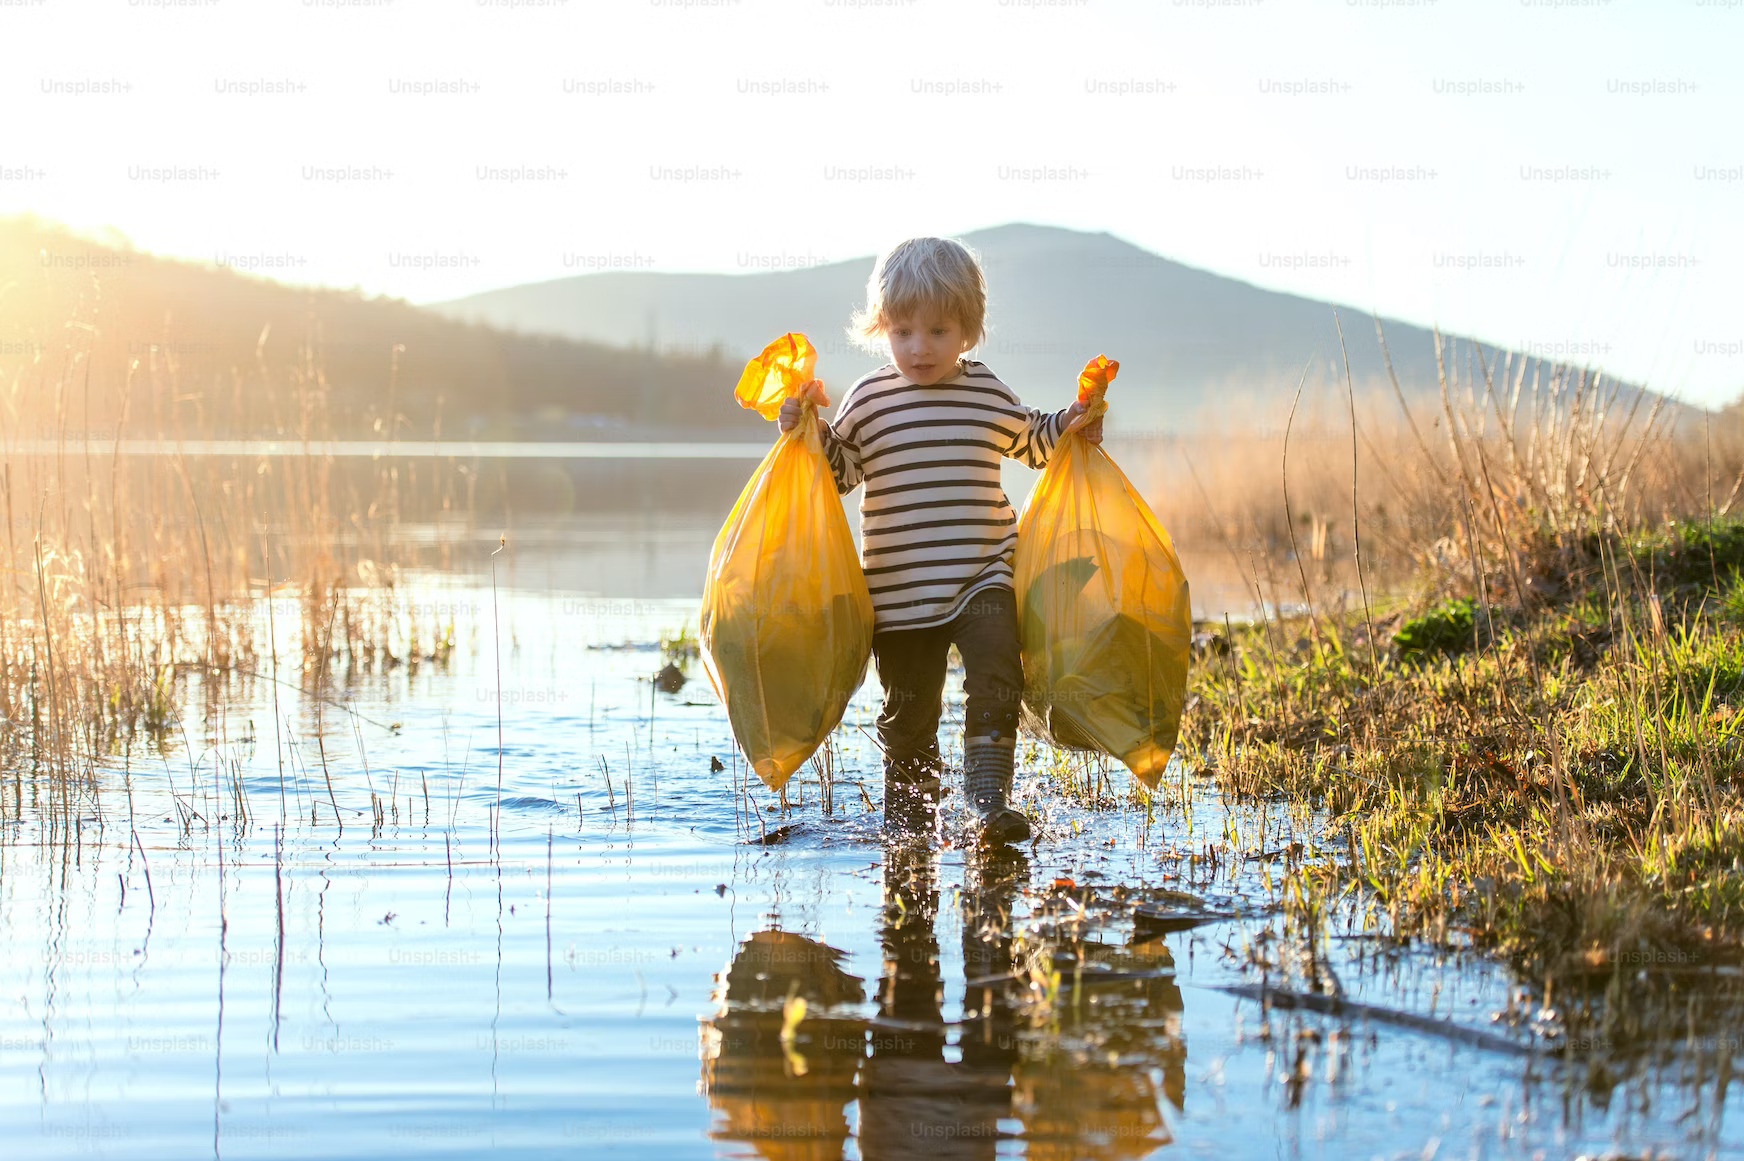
135,581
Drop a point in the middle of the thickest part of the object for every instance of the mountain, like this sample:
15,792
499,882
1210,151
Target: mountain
94,331
1189,341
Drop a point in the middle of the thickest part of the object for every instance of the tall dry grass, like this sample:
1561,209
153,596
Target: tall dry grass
1511,460
129,577
133,579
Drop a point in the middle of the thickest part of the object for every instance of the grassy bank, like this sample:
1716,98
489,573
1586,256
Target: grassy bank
1556,777
1501,651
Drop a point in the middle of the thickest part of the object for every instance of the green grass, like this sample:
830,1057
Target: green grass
1444,629
1566,793
1692,552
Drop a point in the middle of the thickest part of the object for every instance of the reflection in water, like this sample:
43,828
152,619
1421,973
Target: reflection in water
788,1100
1085,1084
912,1098
1061,1038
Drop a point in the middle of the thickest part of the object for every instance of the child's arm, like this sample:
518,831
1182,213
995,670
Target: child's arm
1042,430
844,456
842,452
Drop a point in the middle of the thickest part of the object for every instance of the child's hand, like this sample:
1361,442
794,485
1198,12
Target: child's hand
794,407
1091,431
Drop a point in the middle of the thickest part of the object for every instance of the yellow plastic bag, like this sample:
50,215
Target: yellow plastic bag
1102,603
786,618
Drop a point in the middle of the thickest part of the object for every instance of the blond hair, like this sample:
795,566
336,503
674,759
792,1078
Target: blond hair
936,275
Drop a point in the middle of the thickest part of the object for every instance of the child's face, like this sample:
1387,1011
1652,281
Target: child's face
925,347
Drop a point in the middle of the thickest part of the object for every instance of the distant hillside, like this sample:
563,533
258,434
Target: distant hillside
1188,340
91,331
222,353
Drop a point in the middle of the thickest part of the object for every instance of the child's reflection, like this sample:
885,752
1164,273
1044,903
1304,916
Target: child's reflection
912,1100
1076,1073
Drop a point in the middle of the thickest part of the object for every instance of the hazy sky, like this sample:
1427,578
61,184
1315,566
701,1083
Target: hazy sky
1563,176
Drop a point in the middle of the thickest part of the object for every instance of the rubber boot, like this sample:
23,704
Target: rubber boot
911,798
988,763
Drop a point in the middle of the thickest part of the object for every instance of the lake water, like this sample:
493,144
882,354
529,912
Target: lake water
385,922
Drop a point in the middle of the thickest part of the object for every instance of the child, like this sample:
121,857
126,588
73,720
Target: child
925,433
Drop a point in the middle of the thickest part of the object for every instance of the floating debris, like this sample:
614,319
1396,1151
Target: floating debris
532,802
1338,1007
779,835
1150,919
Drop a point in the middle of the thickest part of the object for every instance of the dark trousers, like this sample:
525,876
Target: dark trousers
912,662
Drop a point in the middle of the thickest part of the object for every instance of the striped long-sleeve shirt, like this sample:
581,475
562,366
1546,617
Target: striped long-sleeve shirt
936,525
